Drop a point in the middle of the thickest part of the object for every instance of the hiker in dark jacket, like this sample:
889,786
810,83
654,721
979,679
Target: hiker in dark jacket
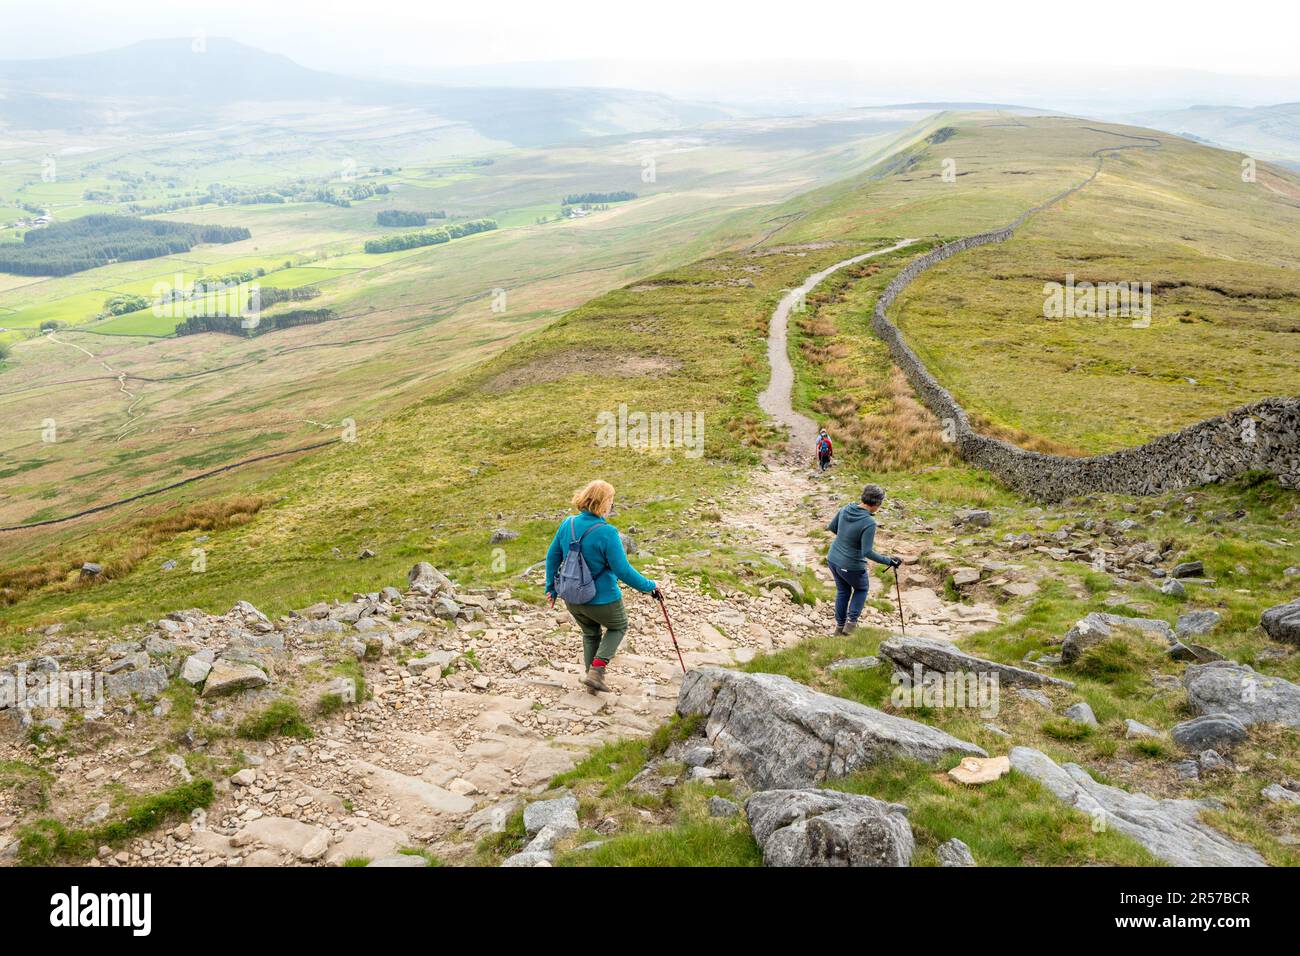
824,450
602,549
854,545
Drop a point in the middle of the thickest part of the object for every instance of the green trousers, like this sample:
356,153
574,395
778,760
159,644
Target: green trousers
592,618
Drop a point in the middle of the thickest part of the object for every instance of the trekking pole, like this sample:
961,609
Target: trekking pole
898,589
664,607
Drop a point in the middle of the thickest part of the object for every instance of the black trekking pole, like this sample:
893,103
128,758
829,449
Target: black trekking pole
898,589
664,607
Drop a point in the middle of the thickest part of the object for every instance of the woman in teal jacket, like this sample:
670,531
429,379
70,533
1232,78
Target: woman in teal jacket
602,549
855,539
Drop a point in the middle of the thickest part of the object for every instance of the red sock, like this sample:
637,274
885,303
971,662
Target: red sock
597,662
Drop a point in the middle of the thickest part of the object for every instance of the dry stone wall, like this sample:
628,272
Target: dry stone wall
1262,436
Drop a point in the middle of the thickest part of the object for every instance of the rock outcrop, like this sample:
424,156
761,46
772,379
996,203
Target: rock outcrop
1282,623
827,828
1098,626
1171,830
943,657
778,734
1226,687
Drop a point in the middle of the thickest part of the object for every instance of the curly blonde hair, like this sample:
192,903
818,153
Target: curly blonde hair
597,497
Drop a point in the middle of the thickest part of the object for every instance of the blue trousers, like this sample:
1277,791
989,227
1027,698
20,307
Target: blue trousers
850,594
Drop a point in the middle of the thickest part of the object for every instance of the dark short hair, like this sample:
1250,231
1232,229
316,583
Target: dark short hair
873,495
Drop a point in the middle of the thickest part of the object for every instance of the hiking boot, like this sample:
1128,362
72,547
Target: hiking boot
849,628
595,679
839,630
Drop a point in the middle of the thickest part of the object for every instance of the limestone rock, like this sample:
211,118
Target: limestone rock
940,656
826,828
1226,687
561,814
1282,623
1222,731
227,677
776,733
1171,830
954,853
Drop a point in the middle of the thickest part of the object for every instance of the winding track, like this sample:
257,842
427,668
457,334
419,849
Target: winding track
776,398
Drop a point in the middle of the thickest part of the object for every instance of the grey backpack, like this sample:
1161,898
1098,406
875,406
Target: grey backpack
573,582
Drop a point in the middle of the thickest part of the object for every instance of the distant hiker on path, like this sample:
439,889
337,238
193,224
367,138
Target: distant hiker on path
584,564
824,450
855,537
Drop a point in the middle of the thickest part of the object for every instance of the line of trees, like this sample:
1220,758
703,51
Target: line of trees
407,217
79,244
430,237
236,324
582,199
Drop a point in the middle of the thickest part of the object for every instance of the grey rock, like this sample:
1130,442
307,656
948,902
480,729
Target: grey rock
1098,626
91,570
502,535
722,807
826,828
776,733
1188,769
1174,588
1276,793
1133,730
1081,713
424,578
1197,623
1210,760
148,683
854,664
1212,730
942,657
788,585
975,517
546,839
1282,623
954,853
1171,830
1189,569
697,756
391,595
434,660
156,646
1226,687
561,814
228,677
493,819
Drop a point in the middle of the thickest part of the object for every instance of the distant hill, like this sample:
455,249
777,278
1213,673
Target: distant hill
164,83
1266,132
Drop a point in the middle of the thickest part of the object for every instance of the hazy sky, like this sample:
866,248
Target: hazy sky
399,36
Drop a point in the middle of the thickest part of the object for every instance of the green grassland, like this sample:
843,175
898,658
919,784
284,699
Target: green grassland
498,428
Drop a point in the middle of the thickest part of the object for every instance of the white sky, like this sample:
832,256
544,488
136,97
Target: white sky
393,36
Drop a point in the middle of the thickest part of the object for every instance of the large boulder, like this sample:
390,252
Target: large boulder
1171,830
1099,626
227,677
560,814
1226,687
827,828
940,656
424,578
148,683
778,734
1209,732
1282,623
